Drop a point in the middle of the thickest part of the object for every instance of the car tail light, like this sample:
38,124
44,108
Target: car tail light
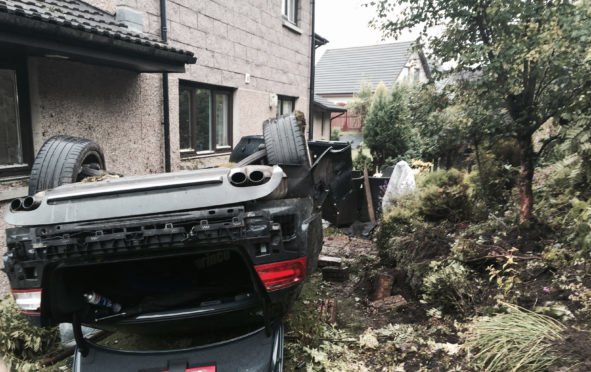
282,274
200,369
28,300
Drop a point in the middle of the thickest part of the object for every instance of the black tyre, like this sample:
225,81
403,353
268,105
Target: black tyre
285,142
61,160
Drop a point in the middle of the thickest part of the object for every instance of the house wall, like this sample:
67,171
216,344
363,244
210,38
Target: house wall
407,73
231,39
120,110
322,126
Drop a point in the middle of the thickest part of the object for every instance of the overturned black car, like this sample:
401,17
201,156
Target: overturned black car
173,252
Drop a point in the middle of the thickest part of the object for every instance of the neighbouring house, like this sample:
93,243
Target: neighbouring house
324,113
155,98
340,72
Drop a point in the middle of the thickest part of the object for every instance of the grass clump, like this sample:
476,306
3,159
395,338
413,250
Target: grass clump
519,340
23,345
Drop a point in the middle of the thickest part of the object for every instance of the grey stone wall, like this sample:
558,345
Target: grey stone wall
231,39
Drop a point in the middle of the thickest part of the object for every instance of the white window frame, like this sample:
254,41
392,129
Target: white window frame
289,10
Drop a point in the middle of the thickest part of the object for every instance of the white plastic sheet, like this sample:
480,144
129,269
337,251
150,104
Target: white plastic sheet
401,182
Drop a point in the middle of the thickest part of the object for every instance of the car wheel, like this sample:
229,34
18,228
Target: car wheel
64,159
285,142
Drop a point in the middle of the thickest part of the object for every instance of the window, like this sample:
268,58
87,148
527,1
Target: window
290,10
285,105
15,128
205,119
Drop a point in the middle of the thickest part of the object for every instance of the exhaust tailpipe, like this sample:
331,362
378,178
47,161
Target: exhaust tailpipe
32,202
237,176
16,204
258,174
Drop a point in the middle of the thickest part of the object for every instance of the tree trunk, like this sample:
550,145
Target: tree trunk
527,158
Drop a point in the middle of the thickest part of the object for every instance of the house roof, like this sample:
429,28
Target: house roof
322,104
341,71
40,25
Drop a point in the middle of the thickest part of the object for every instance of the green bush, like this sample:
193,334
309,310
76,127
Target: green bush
450,286
21,343
335,134
413,251
362,159
386,130
444,196
400,220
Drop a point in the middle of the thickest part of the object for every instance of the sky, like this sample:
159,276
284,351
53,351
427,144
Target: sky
345,24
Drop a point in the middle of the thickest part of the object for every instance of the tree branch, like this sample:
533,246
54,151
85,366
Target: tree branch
546,143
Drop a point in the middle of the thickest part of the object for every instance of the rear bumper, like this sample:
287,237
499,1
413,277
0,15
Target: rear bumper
261,233
255,351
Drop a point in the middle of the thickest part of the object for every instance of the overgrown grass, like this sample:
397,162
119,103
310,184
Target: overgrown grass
519,340
22,345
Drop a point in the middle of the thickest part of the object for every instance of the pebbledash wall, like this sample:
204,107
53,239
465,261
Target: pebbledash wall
122,110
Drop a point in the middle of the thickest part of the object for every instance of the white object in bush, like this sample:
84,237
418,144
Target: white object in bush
401,182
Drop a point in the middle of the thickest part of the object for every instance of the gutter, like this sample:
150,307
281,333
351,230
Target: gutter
312,72
165,95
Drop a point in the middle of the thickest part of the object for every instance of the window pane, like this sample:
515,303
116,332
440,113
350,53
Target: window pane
287,107
185,118
203,109
222,109
10,140
289,7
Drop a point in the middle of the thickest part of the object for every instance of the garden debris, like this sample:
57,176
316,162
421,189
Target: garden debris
347,246
368,340
335,274
324,261
328,310
383,286
391,302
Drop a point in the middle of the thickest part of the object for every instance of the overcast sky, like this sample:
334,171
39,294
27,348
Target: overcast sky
345,24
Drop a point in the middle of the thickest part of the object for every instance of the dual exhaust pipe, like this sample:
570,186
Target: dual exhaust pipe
27,203
250,175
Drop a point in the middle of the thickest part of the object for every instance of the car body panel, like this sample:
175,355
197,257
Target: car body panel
140,195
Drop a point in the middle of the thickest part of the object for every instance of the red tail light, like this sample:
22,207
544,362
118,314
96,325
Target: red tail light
28,300
200,369
282,274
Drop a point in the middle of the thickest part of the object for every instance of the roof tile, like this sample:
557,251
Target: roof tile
79,15
343,70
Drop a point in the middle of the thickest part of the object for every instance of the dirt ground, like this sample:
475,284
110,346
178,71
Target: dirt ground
371,338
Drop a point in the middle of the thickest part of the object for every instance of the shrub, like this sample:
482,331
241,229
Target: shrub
386,129
450,286
520,340
400,220
444,196
22,343
361,159
335,134
412,252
